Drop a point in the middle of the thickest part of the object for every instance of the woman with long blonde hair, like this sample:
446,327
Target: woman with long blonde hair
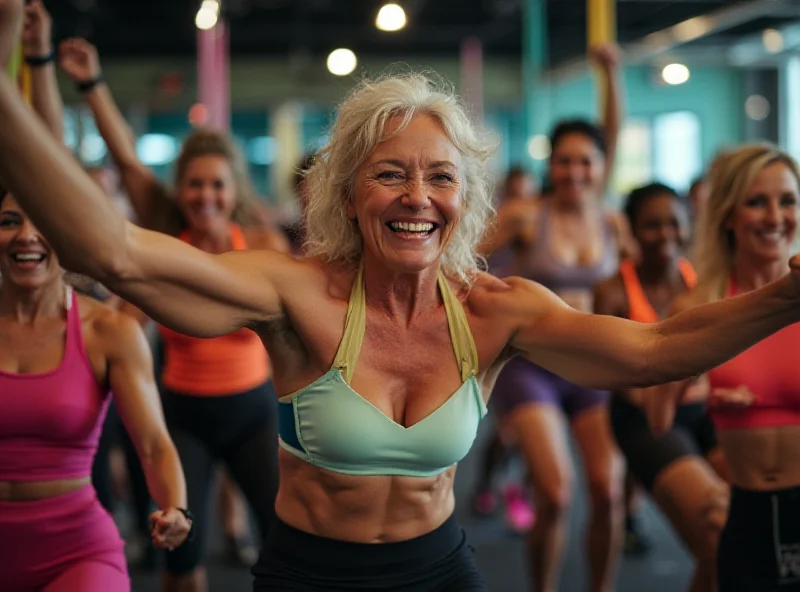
746,236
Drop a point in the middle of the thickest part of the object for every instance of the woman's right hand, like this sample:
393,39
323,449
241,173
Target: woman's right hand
732,398
11,17
78,58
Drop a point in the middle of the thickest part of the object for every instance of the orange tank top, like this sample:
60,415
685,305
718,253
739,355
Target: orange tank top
639,307
219,366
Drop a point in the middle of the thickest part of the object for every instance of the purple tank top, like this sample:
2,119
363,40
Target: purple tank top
541,266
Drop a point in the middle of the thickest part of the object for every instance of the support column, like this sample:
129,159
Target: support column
534,59
601,28
472,75
789,105
213,78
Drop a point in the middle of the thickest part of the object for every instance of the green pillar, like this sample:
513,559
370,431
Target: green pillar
534,62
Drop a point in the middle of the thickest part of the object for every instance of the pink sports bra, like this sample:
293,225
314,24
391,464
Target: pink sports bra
50,423
769,371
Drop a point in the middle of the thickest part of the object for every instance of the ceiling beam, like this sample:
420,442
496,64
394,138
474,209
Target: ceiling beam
680,34
751,50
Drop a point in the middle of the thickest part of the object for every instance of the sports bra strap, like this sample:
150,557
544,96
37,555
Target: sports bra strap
688,273
356,320
354,326
460,335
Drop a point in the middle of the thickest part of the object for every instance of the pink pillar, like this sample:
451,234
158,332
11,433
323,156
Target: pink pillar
213,78
472,75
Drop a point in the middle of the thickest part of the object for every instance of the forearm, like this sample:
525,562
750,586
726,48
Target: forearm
612,113
701,338
112,126
71,211
46,99
164,474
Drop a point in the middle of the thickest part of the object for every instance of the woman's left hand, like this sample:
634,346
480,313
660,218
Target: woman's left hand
169,528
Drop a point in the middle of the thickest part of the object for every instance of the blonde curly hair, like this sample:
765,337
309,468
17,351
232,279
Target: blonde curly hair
359,127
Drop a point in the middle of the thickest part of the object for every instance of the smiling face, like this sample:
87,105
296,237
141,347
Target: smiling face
26,258
764,222
661,228
207,193
577,169
407,196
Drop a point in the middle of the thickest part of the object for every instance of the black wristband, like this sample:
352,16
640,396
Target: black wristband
88,85
35,61
190,517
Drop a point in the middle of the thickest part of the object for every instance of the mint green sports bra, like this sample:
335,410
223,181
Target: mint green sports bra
329,425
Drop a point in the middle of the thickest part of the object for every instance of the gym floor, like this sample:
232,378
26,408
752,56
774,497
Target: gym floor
500,554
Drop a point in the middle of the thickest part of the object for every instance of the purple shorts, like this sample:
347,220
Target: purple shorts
522,382
66,543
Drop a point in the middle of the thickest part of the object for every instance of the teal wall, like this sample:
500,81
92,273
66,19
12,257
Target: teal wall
714,94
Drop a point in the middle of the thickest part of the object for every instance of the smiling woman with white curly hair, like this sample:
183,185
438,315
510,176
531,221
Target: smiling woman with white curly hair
386,339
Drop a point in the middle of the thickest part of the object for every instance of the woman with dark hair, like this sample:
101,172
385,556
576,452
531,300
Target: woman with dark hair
680,468
568,242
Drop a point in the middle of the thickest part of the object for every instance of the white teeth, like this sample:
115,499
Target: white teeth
28,257
412,227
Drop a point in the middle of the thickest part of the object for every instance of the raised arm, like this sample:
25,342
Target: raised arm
615,354
514,218
79,60
177,285
608,59
37,46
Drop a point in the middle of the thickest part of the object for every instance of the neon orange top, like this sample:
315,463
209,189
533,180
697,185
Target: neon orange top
224,365
639,307
769,371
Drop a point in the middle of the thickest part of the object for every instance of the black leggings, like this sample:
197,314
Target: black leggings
646,454
239,430
114,433
759,549
440,561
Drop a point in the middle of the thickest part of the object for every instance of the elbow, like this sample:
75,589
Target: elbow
109,263
650,369
153,451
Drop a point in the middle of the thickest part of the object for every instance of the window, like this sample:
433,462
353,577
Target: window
677,149
634,158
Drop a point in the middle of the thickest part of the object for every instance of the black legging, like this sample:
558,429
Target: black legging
114,433
240,430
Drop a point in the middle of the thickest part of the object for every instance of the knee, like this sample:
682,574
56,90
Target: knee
606,490
554,498
715,515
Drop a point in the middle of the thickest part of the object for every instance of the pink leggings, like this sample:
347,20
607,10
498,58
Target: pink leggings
67,543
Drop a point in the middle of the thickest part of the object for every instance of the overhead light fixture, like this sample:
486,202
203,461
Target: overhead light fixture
391,17
772,40
539,147
757,107
207,15
675,74
342,62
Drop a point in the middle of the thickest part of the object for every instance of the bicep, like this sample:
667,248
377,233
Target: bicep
194,292
596,351
134,389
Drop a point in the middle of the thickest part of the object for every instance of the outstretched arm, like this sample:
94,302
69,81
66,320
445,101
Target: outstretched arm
175,284
613,354
37,44
79,59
